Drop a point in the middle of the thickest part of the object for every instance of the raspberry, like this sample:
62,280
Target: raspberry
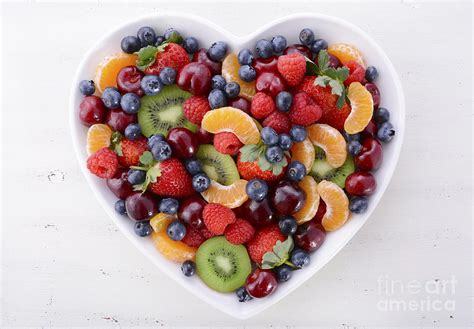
227,143
263,242
356,73
194,108
131,151
206,233
292,67
193,237
262,105
217,217
304,111
239,232
278,121
103,163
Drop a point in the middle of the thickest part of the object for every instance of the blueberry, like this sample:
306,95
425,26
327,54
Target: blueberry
143,228
371,73
256,189
146,35
188,268
381,115
349,137
201,182
279,44
245,57
354,147
130,44
217,51
358,205
274,154
130,103
217,99
299,258
154,139
135,177
247,73
296,171
318,45
298,133
218,82
193,166
283,273
120,207
176,231
285,142
264,48
169,31
243,295
386,132
306,37
111,98
287,225
283,101
161,150
133,131
87,87
169,206
159,40
167,76
269,136
151,84
191,45
232,89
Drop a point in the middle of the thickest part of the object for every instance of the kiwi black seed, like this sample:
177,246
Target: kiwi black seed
221,265
321,169
219,167
160,113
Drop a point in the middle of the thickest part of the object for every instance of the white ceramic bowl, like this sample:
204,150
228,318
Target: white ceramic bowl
330,28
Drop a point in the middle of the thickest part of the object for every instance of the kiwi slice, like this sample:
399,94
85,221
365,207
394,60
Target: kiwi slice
321,169
160,113
221,265
219,167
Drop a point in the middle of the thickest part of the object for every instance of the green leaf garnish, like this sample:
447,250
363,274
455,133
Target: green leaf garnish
279,255
146,57
311,67
146,158
249,153
115,144
175,37
256,152
152,173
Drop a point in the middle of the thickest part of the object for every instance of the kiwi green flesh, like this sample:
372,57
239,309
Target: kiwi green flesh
222,266
219,167
321,170
160,113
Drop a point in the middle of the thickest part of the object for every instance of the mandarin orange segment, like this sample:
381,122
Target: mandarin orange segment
362,108
107,71
160,221
232,120
98,137
230,71
176,251
231,196
346,53
337,205
309,185
331,141
304,152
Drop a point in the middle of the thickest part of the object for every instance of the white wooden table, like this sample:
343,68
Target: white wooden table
64,264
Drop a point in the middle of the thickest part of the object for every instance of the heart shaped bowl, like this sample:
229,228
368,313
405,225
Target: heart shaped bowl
330,28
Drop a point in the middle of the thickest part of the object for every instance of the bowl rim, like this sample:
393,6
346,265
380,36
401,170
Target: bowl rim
236,312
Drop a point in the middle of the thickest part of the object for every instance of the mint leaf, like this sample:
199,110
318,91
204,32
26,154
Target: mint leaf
175,37
146,57
311,67
323,61
146,158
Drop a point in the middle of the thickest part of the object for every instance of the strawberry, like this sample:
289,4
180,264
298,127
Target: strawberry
194,108
217,217
292,67
172,179
170,54
251,170
263,242
304,111
131,151
278,121
227,143
239,232
356,73
103,163
262,105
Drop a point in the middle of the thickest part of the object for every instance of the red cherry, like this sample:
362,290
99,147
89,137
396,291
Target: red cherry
204,137
195,78
141,206
288,198
370,130
370,156
240,103
310,236
270,83
261,283
119,184
303,50
183,142
190,211
265,65
372,88
360,183
128,80
320,213
92,110
119,120
257,213
201,56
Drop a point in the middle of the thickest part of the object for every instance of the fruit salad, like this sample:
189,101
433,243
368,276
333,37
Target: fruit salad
235,163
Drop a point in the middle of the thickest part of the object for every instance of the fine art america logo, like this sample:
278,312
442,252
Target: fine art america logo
414,295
